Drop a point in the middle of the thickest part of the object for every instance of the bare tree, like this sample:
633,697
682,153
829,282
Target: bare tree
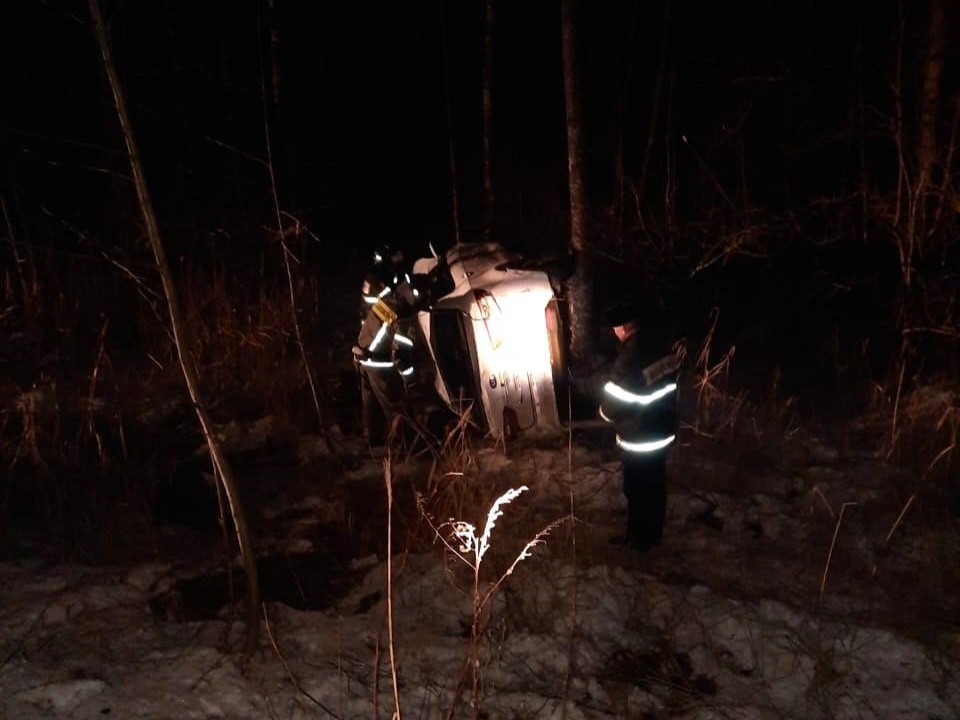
924,212
181,333
655,104
930,94
274,51
447,102
488,195
580,286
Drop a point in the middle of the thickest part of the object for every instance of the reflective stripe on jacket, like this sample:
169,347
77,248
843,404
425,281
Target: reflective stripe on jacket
640,398
386,341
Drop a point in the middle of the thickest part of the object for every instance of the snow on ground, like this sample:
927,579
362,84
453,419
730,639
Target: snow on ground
725,620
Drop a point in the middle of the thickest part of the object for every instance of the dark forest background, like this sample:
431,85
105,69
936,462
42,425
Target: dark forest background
784,168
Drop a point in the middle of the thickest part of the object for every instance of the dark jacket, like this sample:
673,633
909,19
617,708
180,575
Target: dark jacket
385,341
640,397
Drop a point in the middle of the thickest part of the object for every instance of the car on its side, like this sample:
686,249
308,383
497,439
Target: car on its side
495,335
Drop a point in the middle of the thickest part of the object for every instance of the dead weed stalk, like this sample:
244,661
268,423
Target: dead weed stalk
388,482
710,382
462,540
783,411
833,543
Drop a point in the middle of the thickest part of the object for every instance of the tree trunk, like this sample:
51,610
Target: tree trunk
488,195
580,286
180,330
447,102
274,51
930,97
655,106
670,184
625,60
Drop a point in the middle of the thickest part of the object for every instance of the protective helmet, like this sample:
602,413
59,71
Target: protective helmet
384,254
623,313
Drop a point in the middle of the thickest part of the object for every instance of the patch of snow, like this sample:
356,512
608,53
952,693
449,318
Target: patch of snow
822,454
611,635
148,576
62,697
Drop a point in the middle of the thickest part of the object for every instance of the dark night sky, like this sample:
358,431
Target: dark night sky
361,135
773,107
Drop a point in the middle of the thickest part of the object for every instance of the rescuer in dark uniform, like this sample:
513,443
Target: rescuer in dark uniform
384,349
640,399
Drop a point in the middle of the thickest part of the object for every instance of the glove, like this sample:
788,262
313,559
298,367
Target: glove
409,381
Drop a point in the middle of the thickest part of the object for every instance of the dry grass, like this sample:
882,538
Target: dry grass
717,411
925,424
921,431
782,412
93,358
452,487
241,343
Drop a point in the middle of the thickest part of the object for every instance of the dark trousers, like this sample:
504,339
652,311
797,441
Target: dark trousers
645,487
382,396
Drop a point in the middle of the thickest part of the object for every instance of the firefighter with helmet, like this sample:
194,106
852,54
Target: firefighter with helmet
640,399
385,345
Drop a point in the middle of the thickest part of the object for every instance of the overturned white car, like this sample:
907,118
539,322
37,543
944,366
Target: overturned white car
495,335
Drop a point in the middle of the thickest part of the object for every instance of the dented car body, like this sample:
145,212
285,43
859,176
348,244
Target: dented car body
495,336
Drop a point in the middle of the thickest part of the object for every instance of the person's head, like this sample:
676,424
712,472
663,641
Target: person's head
386,255
624,319
387,266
